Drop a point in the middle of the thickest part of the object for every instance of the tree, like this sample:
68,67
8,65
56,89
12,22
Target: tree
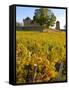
44,17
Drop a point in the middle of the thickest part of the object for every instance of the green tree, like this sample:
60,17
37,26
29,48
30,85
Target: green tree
44,17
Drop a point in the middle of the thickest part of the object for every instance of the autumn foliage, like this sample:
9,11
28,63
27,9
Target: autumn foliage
39,56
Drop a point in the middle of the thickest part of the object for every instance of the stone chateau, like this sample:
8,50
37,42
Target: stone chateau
30,24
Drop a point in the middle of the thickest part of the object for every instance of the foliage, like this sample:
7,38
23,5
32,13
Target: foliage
45,17
39,56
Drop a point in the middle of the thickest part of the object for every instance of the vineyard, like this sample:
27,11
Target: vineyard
40,56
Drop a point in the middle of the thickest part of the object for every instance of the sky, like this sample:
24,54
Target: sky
23,12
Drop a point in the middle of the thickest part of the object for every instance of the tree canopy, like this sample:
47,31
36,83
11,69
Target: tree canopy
44,17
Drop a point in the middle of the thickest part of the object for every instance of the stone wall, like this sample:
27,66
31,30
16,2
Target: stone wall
29,28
